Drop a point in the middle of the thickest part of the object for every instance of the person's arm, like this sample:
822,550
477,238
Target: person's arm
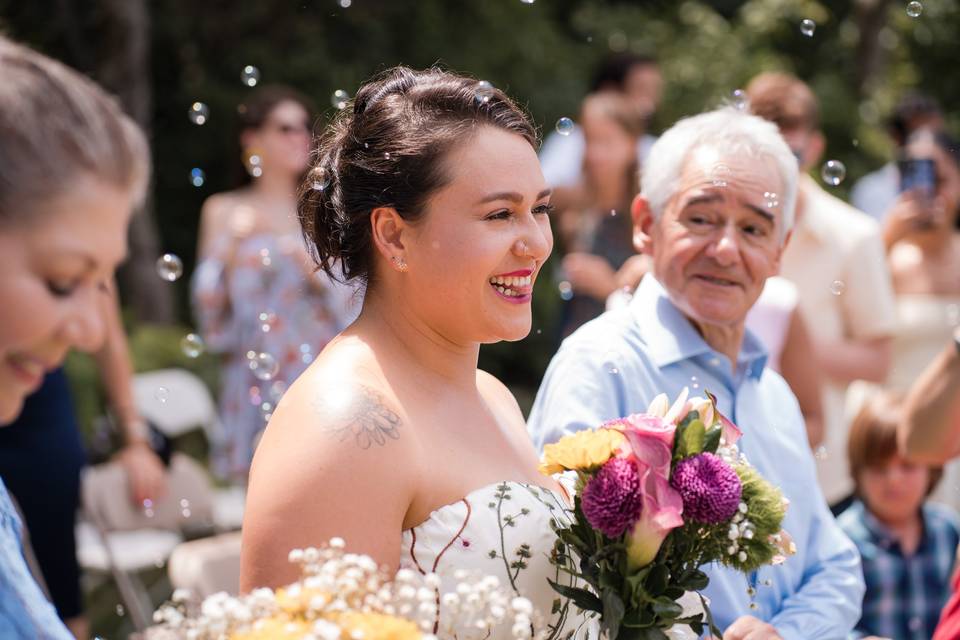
144,468
930,430
801,373
318,473
869,313
846,360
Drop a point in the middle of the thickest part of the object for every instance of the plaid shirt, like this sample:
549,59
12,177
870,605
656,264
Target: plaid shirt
905,594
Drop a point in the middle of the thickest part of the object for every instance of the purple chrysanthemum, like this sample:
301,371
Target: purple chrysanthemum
710,488
612,501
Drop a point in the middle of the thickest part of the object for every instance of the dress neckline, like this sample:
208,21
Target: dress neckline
564,498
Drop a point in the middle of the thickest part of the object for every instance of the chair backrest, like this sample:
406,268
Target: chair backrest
176,401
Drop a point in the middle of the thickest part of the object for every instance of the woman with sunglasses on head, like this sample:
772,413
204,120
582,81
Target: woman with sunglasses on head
72,168
257,296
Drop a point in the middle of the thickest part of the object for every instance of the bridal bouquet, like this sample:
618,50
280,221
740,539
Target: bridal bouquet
344,596
660,495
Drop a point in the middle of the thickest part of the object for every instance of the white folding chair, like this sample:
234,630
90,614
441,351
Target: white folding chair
176,401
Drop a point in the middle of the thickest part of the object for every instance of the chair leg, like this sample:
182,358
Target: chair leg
134,596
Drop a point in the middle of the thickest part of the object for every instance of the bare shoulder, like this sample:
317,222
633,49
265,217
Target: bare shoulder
337,459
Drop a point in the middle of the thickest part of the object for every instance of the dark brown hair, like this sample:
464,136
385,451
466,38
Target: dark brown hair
386,149
57,126
784,100
254,111
873,436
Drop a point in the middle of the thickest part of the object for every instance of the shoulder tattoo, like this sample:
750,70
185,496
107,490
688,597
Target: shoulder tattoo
357,412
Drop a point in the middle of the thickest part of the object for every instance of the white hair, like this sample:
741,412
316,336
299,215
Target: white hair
729,131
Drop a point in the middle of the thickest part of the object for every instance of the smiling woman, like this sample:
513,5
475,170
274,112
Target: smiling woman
428,190
72,167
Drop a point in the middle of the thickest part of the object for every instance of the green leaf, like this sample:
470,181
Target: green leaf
581,597
666,608
657,580
693,580
706,609
712,442
693,439
674,592
613,610
639,618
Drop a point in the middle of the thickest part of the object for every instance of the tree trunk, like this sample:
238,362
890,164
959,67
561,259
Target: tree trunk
871,18
124,69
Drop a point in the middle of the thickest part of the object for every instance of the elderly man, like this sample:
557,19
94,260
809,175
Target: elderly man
714,213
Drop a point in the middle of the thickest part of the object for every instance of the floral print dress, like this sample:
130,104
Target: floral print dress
269,322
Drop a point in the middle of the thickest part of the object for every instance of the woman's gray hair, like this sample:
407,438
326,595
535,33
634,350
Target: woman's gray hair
57,126
729,131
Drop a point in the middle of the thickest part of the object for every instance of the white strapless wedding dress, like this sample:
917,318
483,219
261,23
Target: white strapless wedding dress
501,530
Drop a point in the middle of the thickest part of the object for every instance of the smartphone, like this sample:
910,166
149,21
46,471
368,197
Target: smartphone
919,175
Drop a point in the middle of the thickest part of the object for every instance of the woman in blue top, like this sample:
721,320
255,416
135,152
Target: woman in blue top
72,168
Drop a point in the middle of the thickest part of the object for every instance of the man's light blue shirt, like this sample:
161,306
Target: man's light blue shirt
616,364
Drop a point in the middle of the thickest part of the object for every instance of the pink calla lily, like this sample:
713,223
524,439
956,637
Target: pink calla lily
650,442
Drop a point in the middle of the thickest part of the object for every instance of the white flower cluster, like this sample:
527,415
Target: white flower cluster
740,528
335,582
478,605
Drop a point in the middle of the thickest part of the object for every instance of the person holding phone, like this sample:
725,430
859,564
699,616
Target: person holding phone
923,251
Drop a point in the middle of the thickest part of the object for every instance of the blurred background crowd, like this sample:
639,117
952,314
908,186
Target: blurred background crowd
219,306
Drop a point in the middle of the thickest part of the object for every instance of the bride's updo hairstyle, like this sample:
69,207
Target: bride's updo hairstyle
387,150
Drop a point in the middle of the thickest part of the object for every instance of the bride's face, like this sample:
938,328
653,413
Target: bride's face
477,251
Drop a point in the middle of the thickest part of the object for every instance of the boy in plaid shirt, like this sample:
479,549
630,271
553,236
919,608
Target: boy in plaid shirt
907,545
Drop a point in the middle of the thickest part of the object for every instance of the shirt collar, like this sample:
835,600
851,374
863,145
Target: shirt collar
671,337
882,535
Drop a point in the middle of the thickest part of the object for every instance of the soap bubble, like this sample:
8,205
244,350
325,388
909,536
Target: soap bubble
720,175
566,290
192,345
340,98
837,287
169,267
321,179
565,126
264,366
198,113
833,172
161,394
914,9
197,177
738,98
250,75
807,27
483,91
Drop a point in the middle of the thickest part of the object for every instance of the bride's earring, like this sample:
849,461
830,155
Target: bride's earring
399,263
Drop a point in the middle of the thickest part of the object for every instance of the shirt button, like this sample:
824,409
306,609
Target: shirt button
714,362
915,623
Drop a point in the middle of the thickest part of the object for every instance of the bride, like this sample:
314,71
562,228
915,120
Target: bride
429,193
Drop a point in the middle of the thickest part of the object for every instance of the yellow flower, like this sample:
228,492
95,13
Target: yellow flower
378,626
581,451
279,627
